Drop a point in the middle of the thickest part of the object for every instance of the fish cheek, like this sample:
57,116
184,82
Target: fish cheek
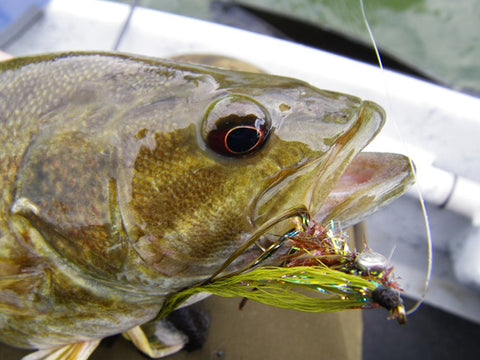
185,205
66,190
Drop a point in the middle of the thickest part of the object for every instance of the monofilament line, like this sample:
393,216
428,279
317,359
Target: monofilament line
417,187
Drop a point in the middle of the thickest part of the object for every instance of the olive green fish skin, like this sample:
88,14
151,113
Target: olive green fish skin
111,199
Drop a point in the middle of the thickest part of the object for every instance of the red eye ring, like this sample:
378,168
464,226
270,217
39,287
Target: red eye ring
243,142
235,126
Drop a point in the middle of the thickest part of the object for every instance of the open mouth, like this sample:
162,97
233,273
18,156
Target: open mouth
309,182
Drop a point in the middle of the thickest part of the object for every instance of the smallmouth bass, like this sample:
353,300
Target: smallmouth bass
126,179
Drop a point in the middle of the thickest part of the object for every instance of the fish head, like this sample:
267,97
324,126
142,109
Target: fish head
150,174
255,148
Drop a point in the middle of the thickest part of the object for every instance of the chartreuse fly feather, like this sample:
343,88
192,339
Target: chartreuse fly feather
305,288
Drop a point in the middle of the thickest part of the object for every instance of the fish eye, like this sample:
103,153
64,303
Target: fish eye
235,125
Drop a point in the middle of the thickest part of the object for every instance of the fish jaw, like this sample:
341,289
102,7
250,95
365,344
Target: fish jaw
310,184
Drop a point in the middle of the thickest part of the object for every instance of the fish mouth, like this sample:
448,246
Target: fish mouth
371,181
308,183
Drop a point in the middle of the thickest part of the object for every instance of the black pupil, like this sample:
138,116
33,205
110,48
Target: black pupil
242,139
237,135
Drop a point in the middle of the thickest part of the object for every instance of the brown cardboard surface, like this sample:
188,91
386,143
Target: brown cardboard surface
256,332
262,332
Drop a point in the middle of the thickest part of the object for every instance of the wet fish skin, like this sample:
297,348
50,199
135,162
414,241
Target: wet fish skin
112,199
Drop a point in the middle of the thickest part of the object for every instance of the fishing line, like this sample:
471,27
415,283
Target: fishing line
412,166
124,28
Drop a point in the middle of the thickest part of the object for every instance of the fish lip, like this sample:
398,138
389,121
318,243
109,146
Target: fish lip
373,107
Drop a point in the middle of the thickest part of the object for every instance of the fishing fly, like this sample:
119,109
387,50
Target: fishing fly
319,273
